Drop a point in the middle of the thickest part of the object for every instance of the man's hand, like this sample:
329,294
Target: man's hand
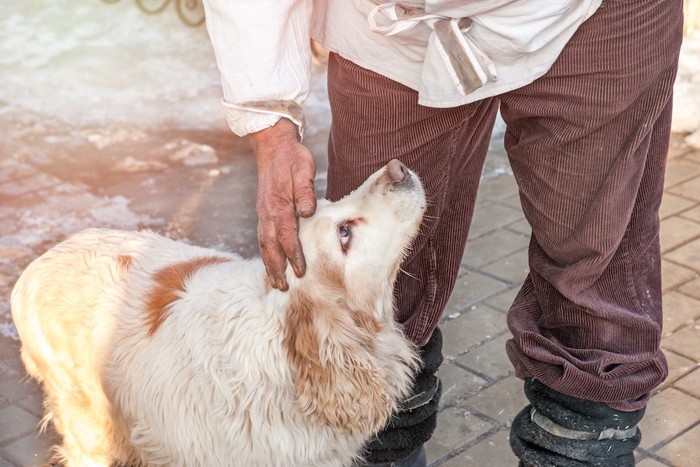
286,171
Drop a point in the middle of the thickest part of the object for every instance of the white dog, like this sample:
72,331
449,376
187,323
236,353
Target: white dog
155,352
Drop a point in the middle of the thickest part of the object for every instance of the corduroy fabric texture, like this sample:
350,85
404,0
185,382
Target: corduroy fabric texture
375,120
587,143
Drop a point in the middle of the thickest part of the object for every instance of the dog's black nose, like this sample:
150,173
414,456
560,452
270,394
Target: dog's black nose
397,171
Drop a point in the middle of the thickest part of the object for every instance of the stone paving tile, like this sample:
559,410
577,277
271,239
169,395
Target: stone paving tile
512,268
680,310
669,413
689,190
672,204
679,171
501,401
514,202
499,188
491,451
678,367
471,327
685,341
692,214
691,288
482,202
691,382
649,462
520,226
33,403
693,155
24,393
472,287
31,450
683,451
488,359
673,275
687,255
498,244
15,422
503,300
676,231
457,383
456,427
10,365
13,389
678,147
492,217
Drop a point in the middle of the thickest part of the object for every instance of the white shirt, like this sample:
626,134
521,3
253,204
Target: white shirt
452,52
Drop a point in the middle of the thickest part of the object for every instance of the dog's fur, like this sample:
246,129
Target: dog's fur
155,352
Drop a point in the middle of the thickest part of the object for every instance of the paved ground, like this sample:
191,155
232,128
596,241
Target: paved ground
200,186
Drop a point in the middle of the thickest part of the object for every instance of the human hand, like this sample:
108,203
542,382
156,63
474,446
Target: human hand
286,171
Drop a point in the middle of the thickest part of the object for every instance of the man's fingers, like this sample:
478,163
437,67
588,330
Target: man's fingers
304,195
286,171
273,255
288,236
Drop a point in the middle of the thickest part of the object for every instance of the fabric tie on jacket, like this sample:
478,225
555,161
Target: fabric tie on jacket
451,58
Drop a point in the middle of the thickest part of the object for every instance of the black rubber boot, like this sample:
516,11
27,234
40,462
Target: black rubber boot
400,443
557,430
415,459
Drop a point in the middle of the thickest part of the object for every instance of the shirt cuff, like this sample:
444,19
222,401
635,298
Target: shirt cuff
251,117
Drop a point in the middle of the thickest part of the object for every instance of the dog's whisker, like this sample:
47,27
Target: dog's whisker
412,276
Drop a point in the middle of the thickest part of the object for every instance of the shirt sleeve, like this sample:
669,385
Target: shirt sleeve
262,49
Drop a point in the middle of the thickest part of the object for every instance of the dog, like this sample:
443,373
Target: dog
155,352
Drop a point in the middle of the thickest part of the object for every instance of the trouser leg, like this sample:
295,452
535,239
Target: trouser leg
375,120
587,143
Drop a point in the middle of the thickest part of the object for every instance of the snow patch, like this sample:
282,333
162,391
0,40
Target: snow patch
190,153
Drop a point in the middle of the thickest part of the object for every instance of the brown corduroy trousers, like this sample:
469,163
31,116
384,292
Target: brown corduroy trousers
587,143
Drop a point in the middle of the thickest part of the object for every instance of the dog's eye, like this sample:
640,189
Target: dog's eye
345,235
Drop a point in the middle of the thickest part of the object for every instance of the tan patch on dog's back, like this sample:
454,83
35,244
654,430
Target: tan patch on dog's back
169,284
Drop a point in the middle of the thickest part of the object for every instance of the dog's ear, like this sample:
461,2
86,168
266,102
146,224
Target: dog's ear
338,381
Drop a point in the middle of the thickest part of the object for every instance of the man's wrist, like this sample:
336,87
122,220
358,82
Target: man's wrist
252,117
282,132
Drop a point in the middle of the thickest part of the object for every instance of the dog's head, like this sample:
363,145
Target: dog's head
357,243
341,337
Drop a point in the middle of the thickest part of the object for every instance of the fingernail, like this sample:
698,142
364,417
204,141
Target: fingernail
305,207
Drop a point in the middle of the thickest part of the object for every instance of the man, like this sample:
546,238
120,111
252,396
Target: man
585,91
